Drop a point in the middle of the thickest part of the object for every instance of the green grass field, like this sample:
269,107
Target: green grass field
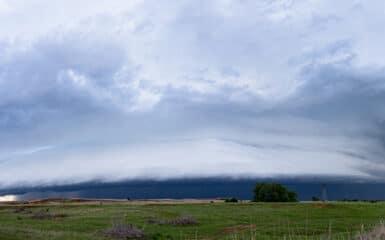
215,220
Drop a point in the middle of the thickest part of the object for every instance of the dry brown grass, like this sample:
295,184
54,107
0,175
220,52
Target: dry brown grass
124,231
179,221
377,233
47,215
239,228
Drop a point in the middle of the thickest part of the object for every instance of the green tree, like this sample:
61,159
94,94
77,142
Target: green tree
273,192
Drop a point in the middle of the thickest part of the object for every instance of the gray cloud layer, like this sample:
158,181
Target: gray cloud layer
164,89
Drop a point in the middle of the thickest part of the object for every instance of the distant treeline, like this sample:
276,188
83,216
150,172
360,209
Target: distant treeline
359,200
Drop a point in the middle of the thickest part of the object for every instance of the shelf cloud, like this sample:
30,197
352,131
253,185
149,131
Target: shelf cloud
117,90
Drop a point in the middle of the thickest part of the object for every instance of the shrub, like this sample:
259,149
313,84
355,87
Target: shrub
184,221
22,210
273,192
179,221
47,215
124,231
233,200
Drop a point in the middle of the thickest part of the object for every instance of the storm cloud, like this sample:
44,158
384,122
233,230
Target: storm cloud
166,89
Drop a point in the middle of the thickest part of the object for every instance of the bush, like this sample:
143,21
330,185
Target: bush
233,200
124,231
47,215
22,210
273,192
184,221
179,221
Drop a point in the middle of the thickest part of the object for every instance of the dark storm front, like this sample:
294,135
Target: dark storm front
178,189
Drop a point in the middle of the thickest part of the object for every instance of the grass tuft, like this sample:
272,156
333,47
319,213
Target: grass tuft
124,231
179,221
377,233
41,215
22,210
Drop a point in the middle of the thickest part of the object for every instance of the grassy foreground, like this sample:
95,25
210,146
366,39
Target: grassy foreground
215,220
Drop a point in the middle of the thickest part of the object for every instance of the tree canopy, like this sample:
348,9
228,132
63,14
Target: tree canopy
273,192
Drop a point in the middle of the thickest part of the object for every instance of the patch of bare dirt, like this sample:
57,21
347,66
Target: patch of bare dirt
239,228
322,205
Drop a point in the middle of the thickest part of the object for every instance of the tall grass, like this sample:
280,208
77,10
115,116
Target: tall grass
376,232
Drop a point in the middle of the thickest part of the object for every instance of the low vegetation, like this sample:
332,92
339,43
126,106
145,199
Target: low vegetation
47,215
377,233
218,220
124,231
179,221
273,192
231,200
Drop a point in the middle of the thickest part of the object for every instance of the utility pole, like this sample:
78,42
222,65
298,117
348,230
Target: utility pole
324,193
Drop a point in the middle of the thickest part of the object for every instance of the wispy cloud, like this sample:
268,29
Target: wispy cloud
12,156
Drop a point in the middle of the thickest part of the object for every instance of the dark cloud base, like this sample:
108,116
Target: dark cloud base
338,189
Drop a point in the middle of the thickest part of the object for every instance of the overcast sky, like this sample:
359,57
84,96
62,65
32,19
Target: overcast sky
120,89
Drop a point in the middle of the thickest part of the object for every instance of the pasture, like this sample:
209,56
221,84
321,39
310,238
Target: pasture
65,220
